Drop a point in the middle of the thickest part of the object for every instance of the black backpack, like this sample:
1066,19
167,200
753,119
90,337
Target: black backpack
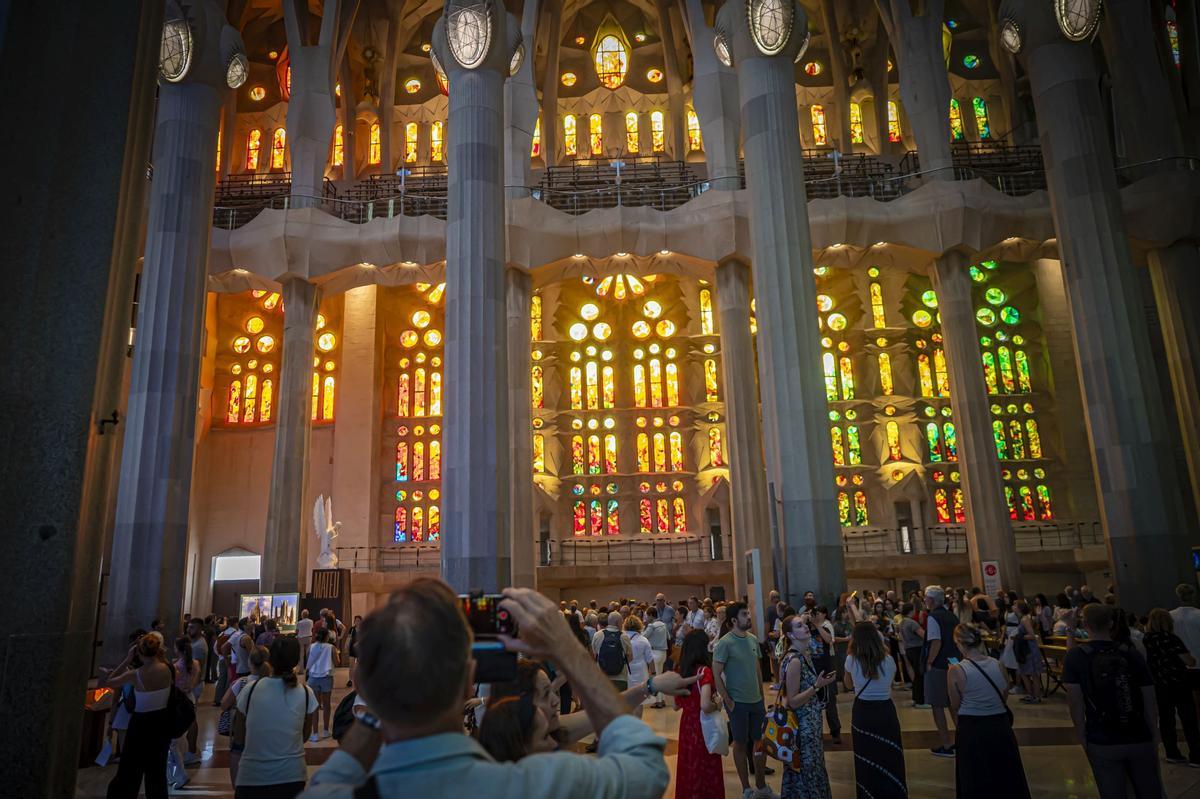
611,656
1115,701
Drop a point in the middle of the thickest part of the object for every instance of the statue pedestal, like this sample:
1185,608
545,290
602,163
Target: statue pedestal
330,589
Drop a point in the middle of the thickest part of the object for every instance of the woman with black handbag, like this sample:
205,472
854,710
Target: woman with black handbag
874,726
988,762
149,736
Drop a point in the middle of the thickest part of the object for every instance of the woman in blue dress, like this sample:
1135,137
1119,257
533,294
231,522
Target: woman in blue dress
803,692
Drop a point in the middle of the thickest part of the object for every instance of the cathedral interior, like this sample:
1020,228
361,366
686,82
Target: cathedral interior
883,291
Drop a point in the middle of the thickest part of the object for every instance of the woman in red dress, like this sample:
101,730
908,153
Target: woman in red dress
698,774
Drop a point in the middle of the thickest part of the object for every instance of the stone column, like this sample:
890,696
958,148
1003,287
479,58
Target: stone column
989,531
1138,491
59,387
310,110
795,414
285,548
150,533
475,481
518,291
521,111
550,123
748,505
676,124
356,455
1173,274
715,97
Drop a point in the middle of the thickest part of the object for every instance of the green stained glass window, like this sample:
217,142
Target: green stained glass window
1018,440
843,500
921,318
981,118
1006,370
986,316
951,437
854,449
989,372
978,275
860,508
929,299
932,438
1001,441
1023,371
1010,315
995,296
829,364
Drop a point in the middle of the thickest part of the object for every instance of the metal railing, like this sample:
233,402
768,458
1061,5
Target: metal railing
351,210
674,549
952,539
400,558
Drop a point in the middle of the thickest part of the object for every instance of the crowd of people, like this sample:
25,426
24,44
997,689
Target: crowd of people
419,721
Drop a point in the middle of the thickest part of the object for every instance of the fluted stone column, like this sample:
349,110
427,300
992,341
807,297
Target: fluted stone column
550,123
715,97
284,558
676,125
1139,493
521,111
1177,295
795,414
150,532
989,530
748,506
310,110
519,291
475,482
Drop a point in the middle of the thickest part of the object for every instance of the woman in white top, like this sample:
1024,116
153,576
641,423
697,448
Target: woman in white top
712,625
988,761
187,676
148,738
874,726
259,667
279,716
642,660
320,678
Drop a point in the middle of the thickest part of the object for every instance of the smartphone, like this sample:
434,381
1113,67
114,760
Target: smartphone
952,661
485,616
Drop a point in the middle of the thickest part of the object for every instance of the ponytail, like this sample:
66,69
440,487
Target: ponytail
284,657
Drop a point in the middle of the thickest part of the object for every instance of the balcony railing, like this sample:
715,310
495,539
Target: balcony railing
674,549
1012,169
952,539
400,558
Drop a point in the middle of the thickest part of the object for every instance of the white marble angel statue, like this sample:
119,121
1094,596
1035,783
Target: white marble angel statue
327,530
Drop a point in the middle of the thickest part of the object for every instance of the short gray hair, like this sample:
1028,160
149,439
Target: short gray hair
936,593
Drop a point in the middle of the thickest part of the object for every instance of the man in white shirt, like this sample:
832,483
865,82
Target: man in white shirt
1187,620
620,678
304,632
659,636
692,620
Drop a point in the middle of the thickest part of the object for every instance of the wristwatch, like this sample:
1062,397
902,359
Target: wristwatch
650,686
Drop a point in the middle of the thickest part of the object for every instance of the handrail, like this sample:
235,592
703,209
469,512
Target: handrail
1191,160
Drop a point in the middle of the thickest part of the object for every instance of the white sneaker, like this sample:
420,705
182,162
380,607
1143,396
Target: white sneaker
312,739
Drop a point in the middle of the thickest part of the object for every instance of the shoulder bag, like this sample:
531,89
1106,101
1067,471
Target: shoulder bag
1007,710
781,734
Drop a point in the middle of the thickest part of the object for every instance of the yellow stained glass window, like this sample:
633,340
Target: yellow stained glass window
643,452
656,386
539,453
658,134
660,452
956,121
339,146
710,380
664,521
885,373
680,513
437,142
576,384
253,150
612,61
639,385
435,459
535,149
645,516
315,406
856,124
893,112
278,148
631,132
878,317
676,442
593,385
596,134
829,364
981,117
716,454
264,404
536,387
419,393
577,465
593,454
535,318
925,375
327,398
251,399
608,386
847,372
835,438
695,141
610,454
570,138
706,314
402,386
672,385
940,372
234,408
435,393
410,143
418,461
892,430
374,145
819,127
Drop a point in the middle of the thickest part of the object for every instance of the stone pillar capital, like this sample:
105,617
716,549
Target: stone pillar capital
477,36
1027,26
747,29
200,47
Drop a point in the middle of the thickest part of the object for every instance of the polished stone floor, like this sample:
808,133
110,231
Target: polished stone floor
1054,765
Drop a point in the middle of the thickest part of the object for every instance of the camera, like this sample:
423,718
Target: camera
493,663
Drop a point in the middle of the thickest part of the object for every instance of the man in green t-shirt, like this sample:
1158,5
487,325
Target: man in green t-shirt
739,682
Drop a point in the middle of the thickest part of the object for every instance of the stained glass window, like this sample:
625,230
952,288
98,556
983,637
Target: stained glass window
374,145
660,452
925,375
893,113
951,439
612,61
579,518
656,387
942,505
878,318
716,454
829,363
1001,440
643,452
1026,505
1035,438
570,135
981,118
892,429
253,150
1010,497
596,134
658,137
843,503
437,142
853,447
251,398
419,393
401,533
695,141
819,128
1173,41
835,437
539,453
339,146
956,121
539,400
410,143
1017,439
860,509
680,515
593,454
940,372
1004,358
1023,371
435,459
1045,511
645,516
278,148
706,314
607,386
596,517
535,318
592,386
535,149
847,372
614,518
234,407
856,123
576,385
577,464
885,373
631,132
672,371
989,372
663,508
402,461
639,385
960,513
710,380
435,523
610,454
933,439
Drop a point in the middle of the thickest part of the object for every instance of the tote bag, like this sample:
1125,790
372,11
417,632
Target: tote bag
715,729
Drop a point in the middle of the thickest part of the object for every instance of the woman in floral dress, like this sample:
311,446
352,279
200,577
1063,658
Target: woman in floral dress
802,692
698,773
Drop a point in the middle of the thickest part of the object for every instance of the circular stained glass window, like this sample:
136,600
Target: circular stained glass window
813,68
326,342
843,346
837,322
1028,407
589,311
665,328
840,479
539,423
654,75
1006,474
568,79
929,298
955,476
1039,473
175,50
713,416
930,411
611,488
420,357
851,414
401,495
236,369
257,93
409,338
1010,315
652,309
432,338
253,364
265,344
677,485
320,321
1022,474
995,409
824,303
421,319
971,61
978,275
986,316
602,330
241,344
578,331
644,487
609,423
995,296
946,411
985,341
254,325
660,486
577,490
469,33
577,424
1000,334
641,328
939,477
595,489
673,421
826,342
834,415
921,318
412,85
897,474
